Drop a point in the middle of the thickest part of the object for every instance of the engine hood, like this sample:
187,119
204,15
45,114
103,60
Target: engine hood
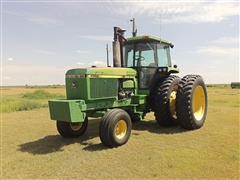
110,72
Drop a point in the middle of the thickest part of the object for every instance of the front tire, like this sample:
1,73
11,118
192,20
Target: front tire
72,130
115,128
192,102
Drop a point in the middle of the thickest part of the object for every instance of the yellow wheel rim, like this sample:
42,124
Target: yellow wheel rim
75,126
198,103
120,129
172,104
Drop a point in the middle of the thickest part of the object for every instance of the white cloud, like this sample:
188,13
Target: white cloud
212,59
216,50
33,74
10,59
97,63
92,63
224,46
6,77
80,63
178,11
41,20
44,52
226,41
45,21
96,37
82,51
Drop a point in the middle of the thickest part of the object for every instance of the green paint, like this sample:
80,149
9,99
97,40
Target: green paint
128,84
76,110
103,87
173,70
107,71
67,110
93,91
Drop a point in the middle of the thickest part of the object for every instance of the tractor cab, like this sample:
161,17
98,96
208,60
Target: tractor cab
150,56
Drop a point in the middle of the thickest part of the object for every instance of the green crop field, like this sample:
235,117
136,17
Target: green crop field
31,147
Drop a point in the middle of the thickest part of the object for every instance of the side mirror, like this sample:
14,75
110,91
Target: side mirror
175,66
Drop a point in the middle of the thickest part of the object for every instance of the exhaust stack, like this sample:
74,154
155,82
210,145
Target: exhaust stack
134,29
117,44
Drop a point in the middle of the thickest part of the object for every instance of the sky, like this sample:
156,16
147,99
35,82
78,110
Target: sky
41,40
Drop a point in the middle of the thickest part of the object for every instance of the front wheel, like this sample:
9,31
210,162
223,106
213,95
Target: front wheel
115,128
72,130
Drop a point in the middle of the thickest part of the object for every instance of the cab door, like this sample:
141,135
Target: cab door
146,63
142,56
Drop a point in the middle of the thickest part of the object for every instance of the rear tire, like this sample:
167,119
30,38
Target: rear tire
115,128
72,130
192,102
164,97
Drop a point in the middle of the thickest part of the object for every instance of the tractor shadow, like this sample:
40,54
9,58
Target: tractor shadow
56,143
153,127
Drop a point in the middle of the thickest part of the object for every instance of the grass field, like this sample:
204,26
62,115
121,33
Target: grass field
32,148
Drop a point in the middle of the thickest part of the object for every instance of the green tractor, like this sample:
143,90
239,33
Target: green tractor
141,81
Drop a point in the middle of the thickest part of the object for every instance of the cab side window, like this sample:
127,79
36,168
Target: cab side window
162,55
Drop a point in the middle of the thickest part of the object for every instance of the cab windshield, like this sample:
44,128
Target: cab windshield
146,54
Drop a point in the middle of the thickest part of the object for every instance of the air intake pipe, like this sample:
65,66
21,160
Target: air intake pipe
117,45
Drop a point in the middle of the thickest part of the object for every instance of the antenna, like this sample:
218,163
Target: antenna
160,25
134,29
107,56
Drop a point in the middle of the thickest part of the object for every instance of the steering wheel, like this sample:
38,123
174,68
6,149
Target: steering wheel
139,58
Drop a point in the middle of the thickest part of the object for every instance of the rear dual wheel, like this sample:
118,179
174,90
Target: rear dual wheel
164,100
115,128
191,103
180,101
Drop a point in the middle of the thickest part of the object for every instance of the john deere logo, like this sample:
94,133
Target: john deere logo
74,85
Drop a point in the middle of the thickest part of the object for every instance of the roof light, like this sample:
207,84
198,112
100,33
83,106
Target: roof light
145,37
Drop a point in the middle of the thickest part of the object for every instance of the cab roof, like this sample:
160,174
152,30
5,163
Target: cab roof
148,38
